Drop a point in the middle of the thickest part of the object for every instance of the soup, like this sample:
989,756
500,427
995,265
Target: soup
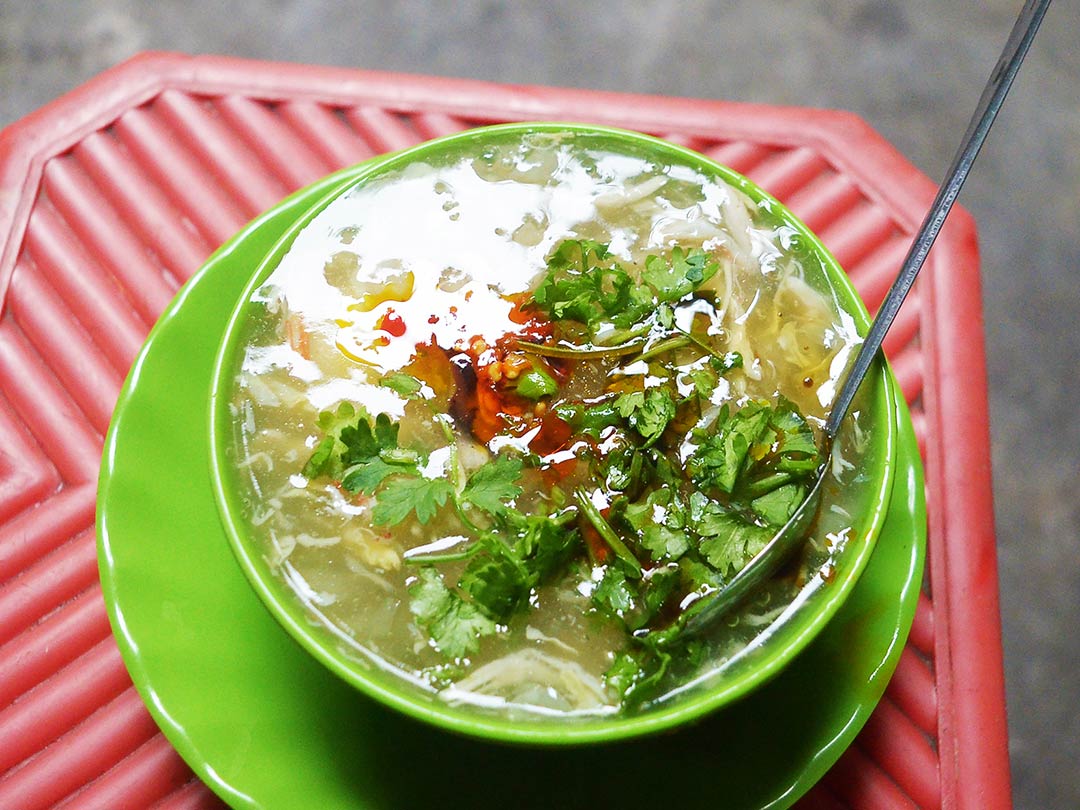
504,419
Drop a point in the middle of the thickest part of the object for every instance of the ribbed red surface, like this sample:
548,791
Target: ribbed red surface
118,192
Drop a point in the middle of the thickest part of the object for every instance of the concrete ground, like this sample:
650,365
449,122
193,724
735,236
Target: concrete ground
913,70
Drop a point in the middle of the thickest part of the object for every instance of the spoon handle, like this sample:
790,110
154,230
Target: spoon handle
1016,48
701,615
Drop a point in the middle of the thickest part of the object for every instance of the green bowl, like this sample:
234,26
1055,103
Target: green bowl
783,640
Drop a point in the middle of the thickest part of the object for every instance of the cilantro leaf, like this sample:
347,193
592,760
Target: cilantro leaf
429,596
622,466
614,592
706,377
359,442
585,283
728,540
628,403
729,361
707,516
455,626
497,583
648,412
330,420
544,543
321,459
705,380
325,460
458,632
385,433
405,384
796,448
697,577
660,520
401,495
625,672
732,542
635,602
493,486
636,672
717,462
777,507
679,275
590,420
659,585
664,543
367,475
363,442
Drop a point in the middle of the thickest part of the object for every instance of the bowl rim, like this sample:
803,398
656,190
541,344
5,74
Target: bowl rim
392,688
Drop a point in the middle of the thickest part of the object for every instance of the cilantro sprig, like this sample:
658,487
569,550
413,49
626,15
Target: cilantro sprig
365,457
505,565
510,553
586,283
455,625
759,455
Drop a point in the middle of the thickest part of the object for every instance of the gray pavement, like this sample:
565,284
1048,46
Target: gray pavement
913,70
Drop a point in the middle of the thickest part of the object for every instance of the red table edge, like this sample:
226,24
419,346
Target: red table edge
972,733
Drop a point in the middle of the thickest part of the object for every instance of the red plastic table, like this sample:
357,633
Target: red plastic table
114,195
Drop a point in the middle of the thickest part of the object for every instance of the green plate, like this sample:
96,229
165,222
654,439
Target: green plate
265,725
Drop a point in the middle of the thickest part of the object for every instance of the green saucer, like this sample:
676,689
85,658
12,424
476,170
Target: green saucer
265,725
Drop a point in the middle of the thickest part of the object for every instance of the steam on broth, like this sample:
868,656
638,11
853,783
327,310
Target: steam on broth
501,420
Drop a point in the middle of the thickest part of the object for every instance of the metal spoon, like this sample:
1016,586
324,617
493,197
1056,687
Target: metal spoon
791,535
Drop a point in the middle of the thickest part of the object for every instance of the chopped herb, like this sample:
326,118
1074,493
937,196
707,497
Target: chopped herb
584,283
497,583
325,459
720,458
366,476
664,543
494,486
660,521
614,592
797,451
320,460
622,466
649,413
678,275
637,672
591,420
698,577
732,543
455,625
402,495
544,543
405,384
777,507
726,362
660,583
603,528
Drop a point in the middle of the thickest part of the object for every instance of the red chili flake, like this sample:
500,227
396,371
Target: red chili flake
392,324
599,550
433,319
